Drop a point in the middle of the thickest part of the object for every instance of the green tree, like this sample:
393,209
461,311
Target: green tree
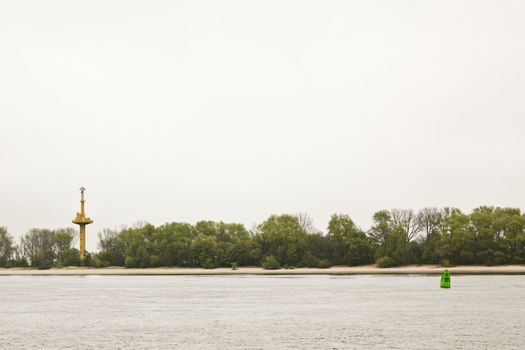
430,220
510,235
204,251
282,237
270,263
172,243
317,248
63,242
112,248
139,244
382,225
6,246
36,247
350,245
457,243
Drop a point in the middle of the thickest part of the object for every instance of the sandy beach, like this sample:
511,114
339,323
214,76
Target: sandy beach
336,270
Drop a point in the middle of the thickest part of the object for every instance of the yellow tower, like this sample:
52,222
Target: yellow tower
82,221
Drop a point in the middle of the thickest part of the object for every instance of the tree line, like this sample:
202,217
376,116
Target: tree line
447,236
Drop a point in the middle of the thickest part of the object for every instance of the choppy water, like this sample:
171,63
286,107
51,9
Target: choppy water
256,312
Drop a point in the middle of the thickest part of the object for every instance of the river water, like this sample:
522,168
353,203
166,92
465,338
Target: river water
261,312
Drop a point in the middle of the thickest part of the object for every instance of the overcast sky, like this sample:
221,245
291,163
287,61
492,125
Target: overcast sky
236,110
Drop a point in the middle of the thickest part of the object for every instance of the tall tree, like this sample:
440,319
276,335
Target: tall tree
6,246
429,221
112,248
64,239
349,244
283,237
307,223
406,219
36,247
381,227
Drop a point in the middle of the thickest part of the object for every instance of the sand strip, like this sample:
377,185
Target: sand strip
337,270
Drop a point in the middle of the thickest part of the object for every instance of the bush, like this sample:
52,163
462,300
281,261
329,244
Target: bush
324,264
97,262
270,263
87,260
445,263
385,262
309,260
17,263
43,259
208,264
499,258
234,266
130,262
155,261
71,257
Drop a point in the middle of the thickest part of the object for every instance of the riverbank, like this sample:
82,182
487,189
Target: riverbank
336,270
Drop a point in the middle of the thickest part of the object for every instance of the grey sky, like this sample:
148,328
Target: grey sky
235,110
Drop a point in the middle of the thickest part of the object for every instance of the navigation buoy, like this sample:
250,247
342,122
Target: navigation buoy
445,279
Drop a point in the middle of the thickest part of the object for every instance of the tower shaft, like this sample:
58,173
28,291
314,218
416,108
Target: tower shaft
82,241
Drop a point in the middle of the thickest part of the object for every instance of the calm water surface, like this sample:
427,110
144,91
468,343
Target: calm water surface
262,312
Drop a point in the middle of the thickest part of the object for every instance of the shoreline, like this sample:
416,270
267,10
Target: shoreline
336,270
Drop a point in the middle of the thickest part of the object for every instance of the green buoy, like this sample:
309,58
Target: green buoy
445,279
